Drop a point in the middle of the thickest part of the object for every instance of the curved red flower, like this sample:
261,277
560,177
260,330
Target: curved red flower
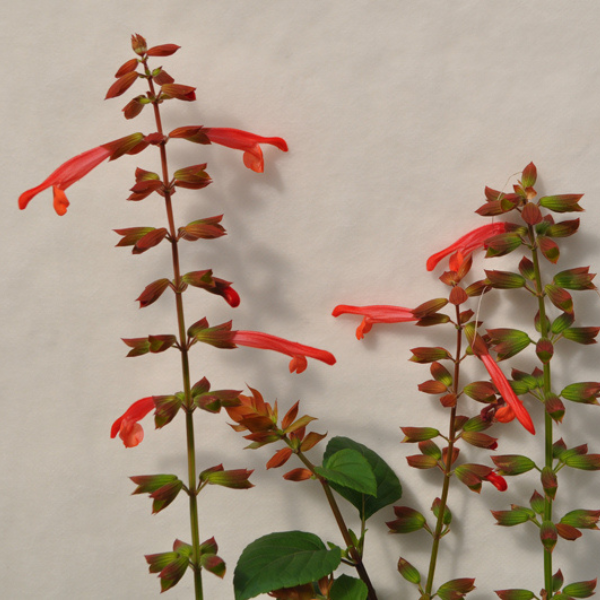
79,166
67,174
127,426
467,243
375,314
237,139
298,352
507,393
497,481
248,142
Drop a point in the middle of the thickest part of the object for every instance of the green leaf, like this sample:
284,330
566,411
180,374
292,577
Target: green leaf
349,468
282,559
388,486
348,588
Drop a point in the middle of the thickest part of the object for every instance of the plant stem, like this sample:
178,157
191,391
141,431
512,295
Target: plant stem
185,366
548,458
354,552
437,534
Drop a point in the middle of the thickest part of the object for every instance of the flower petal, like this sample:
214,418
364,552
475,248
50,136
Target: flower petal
127,426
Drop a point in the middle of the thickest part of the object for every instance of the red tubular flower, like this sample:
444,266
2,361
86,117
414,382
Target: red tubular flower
232,138
298,352
248,142
67,174
127,426
507,392
497,481
375,314
79,166
468,243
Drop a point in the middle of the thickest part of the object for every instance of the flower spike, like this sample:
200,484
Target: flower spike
468,243
298,352
127,426
375,314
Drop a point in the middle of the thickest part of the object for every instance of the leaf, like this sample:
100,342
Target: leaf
348,588
282,559
389,489
349,468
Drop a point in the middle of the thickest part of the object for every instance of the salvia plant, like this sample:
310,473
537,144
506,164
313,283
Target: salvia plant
296,565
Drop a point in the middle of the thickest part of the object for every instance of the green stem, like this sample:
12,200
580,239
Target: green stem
185,365
437,534
339,519
548,458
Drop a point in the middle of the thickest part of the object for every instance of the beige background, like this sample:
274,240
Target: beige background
397,115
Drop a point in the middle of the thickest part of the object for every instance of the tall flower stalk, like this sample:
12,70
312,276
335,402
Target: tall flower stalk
537,234
446,383
163,489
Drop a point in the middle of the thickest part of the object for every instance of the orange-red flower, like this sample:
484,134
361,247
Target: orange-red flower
298,352
127,426
497,481
375,314
248,142
67,174
507,393
79,166
237,139
468,243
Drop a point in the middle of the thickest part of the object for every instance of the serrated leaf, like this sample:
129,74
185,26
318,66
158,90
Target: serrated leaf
389,489
350,469
280,560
